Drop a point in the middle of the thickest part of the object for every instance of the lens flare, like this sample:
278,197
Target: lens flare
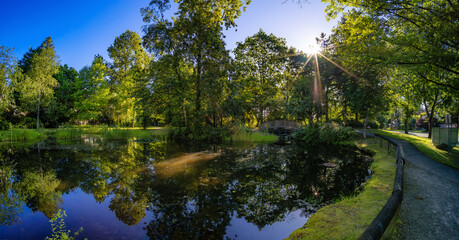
313,49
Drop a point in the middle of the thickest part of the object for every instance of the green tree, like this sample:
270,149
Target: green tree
61,107
261,61
424,33
433,97
37,85
194,35
406,95
93,96
7,70
359,54
170,90
302,105
130,60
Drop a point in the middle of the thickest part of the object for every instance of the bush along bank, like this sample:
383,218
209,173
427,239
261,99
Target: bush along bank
349,218
327,133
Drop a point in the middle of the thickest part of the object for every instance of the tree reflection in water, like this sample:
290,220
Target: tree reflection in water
189,193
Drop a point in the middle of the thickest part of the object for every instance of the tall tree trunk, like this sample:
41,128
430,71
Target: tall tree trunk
326,104
184,112
198,84
365,127
406,124
311,121
431,113
133,118
144,116
179,77
38,111
431,121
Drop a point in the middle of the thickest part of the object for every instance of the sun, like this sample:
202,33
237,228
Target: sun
312,49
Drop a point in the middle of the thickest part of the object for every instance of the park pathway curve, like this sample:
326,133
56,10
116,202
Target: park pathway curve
430,206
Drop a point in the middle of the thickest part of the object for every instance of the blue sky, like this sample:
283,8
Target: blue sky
82,29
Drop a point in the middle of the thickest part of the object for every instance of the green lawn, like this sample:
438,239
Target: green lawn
349,218
450,157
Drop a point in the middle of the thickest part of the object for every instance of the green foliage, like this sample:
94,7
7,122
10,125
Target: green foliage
61,108
421,33
7,71
301,105
59,229
193,38
204,134
37,85
260,61
93,96
10,198
5,125
39,190
128,76
124,134
327,133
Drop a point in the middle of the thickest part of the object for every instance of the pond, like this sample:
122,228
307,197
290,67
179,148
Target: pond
161,190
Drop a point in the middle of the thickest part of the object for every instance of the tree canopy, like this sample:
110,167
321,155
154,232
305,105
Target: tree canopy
385,63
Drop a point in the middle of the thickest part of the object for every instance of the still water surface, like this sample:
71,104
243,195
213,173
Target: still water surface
161,190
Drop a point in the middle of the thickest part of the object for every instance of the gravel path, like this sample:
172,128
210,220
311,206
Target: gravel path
430,207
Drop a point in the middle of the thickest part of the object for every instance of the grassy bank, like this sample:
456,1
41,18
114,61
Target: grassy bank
68,133
127,133
75,132
349,218
244,136
450,157
22,135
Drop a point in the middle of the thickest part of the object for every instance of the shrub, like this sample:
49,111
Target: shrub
327,133
115,134
5,125
373,124
202,134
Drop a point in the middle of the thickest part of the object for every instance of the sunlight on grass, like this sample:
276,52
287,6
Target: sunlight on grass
450,157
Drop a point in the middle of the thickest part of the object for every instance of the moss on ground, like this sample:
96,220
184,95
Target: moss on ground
349,218
449,157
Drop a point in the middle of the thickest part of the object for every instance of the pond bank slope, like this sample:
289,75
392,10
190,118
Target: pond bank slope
349,218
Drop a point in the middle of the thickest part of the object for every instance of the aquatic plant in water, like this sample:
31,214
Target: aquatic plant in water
59,229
